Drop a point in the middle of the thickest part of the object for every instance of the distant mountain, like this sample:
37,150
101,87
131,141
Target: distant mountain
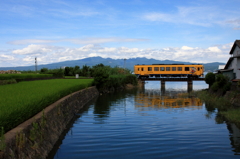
91,61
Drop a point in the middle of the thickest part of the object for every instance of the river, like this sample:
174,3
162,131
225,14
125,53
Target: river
149,123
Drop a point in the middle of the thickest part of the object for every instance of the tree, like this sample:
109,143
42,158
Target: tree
210,78
66,71
85,70
100,77
44,70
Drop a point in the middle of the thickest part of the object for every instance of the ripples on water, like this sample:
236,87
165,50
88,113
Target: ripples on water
149,124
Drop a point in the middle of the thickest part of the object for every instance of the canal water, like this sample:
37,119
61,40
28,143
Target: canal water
150,123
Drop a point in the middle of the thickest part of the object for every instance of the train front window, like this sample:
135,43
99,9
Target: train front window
179,68
167,68
156,68
186,68
173,68
149,68
162,68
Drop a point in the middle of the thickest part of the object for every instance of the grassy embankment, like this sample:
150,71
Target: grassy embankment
22,100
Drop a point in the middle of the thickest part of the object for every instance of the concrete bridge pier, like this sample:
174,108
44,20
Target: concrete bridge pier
190,85
163,86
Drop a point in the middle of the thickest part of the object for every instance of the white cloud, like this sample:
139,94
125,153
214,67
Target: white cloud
33,49
186,48
6,57
52,54
214,49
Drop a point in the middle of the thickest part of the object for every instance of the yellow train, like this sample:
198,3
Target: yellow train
168,70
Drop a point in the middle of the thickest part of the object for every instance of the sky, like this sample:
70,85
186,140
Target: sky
197,31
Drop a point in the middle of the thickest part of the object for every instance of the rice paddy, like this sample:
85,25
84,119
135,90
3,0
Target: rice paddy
20,101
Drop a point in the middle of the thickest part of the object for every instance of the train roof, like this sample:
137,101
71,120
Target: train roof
170,64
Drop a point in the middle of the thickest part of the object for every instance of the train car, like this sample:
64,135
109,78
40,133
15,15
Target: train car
169,70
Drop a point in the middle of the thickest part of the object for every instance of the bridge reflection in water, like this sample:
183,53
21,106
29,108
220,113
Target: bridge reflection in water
160,100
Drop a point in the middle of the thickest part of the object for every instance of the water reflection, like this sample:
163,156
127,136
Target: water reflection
168,99
148,123
106,102
234,137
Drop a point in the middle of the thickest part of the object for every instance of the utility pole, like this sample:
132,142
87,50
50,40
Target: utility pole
125,63
36,64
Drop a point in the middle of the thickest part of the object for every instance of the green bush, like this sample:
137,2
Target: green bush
56,73
44,70
101,77
215,86
131,79
23,76
221,80
210,78
227,86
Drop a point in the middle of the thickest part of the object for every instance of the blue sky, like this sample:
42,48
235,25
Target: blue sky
199,31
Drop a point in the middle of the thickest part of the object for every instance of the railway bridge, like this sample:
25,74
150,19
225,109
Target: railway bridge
173,79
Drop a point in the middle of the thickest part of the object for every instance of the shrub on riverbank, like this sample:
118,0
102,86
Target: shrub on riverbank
210,78
104,81
218,83
21,101
107,78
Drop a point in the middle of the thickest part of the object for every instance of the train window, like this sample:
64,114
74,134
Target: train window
168,69
142,69
198,69
138,69
156,68
179,68
173,68
162,68
186,68
149,68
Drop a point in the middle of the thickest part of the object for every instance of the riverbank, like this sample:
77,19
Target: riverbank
36,137
227,104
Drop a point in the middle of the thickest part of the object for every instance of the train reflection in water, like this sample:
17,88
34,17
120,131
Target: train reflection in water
156,99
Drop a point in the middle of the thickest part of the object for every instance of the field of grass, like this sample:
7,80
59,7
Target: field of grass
23,76
20,101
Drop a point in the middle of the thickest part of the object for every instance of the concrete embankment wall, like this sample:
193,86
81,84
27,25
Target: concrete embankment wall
36,137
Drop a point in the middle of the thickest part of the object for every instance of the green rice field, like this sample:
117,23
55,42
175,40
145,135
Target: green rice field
20,101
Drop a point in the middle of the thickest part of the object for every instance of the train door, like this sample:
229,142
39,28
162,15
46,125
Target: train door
141,70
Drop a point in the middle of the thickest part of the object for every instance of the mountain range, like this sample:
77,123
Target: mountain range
128,63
